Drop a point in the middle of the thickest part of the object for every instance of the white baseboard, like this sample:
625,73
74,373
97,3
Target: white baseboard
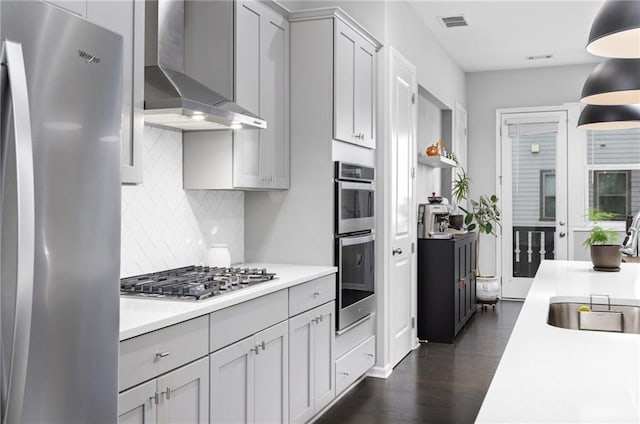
380,372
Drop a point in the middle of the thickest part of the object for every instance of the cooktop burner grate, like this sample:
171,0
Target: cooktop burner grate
193,282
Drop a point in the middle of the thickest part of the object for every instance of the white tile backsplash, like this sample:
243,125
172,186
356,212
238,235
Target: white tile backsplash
164,226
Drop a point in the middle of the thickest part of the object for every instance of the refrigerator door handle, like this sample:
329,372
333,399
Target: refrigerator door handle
13,59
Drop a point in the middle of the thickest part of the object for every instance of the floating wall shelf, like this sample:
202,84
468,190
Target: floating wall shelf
437,161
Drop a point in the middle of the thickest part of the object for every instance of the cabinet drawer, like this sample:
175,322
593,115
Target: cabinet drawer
237,322
309,295
355,363
353,336
140,358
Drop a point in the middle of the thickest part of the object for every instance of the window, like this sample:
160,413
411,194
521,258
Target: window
612,192
547,195
613,171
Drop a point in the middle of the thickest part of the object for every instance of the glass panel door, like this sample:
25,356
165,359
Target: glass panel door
534,191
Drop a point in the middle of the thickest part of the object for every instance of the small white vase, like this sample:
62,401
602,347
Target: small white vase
487,288
218,255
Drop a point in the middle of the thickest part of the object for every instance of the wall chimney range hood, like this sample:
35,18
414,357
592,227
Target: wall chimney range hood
171,98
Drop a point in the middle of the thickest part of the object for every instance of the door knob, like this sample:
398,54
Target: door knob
562,234
397,251
561,223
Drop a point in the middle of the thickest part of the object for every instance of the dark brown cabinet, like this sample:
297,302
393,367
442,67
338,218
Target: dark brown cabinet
446,286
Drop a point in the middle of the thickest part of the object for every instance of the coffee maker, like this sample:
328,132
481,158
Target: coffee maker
433,220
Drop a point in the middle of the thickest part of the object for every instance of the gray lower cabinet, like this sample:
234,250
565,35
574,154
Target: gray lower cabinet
249,379
311,362
180,396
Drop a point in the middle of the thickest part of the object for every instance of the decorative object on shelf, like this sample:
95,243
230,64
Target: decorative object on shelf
460,192
433,150
612,90
603,243
615,31
452,156
484,216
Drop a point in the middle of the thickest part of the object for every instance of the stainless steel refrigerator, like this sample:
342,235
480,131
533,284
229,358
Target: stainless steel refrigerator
61,106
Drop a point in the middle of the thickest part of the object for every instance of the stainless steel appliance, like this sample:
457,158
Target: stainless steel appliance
193,282
355,198
172,98
356,268
433,220
61,104
355,242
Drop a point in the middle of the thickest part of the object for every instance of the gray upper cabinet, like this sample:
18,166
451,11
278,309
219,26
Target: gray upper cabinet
127,18
261,157
247,159
354,86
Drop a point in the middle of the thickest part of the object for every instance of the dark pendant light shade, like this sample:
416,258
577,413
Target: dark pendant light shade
611,117
615,32
613,82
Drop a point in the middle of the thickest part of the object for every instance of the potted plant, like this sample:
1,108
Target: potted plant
603,243
459,192
484,217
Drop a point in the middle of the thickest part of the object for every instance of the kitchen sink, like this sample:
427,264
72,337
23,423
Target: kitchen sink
602,317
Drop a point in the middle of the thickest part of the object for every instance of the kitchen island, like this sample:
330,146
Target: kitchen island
551,374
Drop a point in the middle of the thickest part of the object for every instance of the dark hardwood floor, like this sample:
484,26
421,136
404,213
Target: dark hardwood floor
436,383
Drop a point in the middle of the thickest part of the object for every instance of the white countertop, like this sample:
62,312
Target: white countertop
550,374
141,315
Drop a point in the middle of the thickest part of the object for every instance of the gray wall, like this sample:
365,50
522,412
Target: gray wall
488,91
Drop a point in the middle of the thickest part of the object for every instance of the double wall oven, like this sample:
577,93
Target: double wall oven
355,242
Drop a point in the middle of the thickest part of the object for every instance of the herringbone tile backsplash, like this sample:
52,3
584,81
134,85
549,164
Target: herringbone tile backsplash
164,226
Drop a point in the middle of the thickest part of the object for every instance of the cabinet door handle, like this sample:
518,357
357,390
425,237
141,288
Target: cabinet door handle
161,355
167,393
345,373
397,251
316,294
154,399
263,345
320,318
370,355
255,349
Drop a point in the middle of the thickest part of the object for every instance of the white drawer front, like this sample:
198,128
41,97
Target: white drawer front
146,356
355,363
239,321
353,336
316,292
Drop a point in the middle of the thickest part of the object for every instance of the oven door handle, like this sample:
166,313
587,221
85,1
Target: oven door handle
350,185
351,240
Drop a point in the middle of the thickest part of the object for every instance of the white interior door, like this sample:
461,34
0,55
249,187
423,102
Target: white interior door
402,228
534,195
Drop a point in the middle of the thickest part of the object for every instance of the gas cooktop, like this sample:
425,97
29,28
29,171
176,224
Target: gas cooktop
193,282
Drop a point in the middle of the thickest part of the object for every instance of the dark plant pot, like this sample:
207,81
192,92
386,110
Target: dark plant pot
456,221
606,255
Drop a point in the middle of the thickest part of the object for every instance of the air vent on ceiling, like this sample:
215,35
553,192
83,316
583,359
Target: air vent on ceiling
540,57
453,21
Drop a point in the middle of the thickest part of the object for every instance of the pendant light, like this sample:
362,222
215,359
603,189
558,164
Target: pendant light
615,31
609,117
613,82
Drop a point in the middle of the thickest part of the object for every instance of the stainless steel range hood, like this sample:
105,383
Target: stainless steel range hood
172,98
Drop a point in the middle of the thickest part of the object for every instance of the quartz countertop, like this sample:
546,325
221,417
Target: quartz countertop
142,315
549,374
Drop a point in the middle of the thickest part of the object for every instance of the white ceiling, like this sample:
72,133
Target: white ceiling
501,34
